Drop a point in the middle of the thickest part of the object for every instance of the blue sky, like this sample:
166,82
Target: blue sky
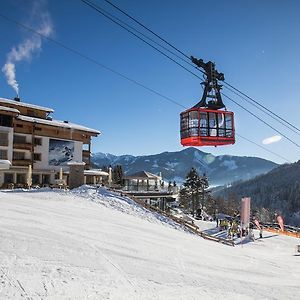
256,44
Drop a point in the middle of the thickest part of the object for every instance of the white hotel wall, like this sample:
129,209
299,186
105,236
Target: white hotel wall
44,150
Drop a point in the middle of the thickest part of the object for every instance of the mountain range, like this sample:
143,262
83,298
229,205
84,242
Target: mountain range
220,170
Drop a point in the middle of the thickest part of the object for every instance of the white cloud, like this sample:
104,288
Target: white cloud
272,139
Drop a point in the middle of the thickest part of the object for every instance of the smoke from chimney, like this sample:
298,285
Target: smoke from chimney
30,45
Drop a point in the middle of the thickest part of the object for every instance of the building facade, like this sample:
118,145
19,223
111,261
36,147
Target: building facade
29,136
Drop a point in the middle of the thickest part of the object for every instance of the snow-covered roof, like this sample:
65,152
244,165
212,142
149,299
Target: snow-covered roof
142,175
76,163
95,172
57,123
92,172
4,108
19,103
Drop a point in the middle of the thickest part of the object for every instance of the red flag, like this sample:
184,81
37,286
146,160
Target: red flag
257,224
280,222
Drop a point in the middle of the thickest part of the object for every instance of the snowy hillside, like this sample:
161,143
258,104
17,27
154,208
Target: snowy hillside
175,165
95,245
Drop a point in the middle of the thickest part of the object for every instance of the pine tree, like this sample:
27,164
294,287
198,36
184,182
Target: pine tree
203,190
117,174
193,194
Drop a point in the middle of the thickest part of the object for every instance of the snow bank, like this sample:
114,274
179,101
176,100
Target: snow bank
89,244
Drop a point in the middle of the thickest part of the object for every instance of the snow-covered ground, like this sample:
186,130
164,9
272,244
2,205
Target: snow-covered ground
92,245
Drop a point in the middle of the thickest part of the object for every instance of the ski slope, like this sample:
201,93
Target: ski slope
89,244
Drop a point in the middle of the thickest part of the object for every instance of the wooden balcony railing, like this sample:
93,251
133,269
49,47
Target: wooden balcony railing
21,162
86,153
23,146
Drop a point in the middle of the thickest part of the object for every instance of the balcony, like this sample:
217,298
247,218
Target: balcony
86,158
22,146
86,153
21,162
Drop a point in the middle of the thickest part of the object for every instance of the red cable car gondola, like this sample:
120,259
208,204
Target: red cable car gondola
206,127
207,124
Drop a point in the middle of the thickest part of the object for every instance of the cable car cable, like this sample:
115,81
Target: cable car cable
266,112
139,32
155,34
267,109
260,119
99,10
147,28
91,60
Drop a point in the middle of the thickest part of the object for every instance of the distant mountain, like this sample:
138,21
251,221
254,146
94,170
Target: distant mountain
220,170
278,190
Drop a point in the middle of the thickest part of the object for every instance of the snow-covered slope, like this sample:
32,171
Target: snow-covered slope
93,245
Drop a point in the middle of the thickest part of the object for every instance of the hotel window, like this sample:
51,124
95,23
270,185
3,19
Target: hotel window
37,156
8,178
35,178
45,179
5,121
37,141
19,139
18,155
3,139
21,178
3,154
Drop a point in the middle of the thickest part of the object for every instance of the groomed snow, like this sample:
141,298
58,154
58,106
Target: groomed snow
90,244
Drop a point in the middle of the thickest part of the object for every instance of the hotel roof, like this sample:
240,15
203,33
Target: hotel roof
19,103
4,108
57,123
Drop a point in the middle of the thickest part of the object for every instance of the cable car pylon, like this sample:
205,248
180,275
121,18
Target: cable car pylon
207,123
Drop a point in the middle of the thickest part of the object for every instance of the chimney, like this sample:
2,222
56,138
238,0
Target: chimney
17,98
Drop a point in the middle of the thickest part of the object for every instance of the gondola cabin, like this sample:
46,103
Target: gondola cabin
206,127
